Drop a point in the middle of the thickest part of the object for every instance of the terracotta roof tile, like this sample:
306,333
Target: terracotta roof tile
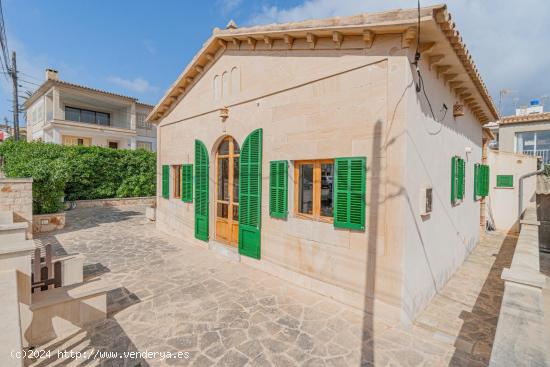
545,116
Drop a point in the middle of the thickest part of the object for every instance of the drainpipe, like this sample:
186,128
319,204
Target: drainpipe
520,206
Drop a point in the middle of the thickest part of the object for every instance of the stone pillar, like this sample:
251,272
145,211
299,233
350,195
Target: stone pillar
133,118
57,111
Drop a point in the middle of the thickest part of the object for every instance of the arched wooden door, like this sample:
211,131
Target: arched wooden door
227,191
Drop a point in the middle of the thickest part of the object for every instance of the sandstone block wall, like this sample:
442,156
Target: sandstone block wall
16,196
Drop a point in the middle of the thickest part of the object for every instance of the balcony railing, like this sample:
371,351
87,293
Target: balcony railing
544,154
114,124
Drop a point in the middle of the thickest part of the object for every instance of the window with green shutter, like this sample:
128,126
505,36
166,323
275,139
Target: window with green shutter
458,179
461,178
201,191
505,180
250,195
166,181
350,192
481,180
187,183
278,189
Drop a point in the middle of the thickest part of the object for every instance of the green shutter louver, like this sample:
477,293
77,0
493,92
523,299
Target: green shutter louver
481,180
278,189
485,180
350,192
461,178
201,191
187,182
250,195
166,181
505,180
458,179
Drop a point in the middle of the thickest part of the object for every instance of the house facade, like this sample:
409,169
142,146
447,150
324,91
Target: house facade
65,113
305,150
526,134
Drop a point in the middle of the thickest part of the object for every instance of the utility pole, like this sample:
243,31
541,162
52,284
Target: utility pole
15,98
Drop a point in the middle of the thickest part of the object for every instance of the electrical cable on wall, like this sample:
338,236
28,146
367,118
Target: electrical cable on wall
420,87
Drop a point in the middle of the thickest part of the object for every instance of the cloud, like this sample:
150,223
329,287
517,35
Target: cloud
227,6
138,85
150,46
508,40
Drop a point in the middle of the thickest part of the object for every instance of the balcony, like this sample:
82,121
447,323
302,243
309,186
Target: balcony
544,154
104,119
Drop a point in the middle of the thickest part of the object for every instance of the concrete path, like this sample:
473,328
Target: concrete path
176,297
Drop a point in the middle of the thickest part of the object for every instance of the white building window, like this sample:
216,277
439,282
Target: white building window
142,123
147,145
535,143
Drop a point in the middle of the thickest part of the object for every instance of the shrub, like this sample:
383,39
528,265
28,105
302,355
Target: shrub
78,172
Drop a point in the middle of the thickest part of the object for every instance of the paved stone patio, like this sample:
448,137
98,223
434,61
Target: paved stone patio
173,296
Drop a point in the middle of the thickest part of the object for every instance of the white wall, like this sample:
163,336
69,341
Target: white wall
436,245
502,206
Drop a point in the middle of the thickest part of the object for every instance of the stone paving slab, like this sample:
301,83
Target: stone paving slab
179,297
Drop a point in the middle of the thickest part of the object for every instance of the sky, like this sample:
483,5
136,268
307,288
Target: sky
138,48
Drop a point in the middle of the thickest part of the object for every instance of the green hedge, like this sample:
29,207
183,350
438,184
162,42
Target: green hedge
78,172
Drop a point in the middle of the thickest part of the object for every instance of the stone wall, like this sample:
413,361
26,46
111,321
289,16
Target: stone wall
48,222
16,196
543,215
146,200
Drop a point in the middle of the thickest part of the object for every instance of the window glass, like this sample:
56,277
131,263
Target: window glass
87,116
222,210
327,176
224,148
236,179
72,114
223,179
113,145
305,200
525,142
103,118
177,181
543,140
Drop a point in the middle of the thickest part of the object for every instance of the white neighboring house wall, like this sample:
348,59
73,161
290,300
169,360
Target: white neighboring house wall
436,244
48,121
502,206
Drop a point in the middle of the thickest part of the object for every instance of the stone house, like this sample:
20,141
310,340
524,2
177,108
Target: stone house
305,150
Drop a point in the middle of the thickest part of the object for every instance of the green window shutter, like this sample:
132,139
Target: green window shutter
485,180
505,181
454,180
166,181
477,180
250,195
481,180
201,191
350,192
278,189
187,182
461,178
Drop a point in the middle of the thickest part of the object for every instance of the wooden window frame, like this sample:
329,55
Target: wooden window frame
176,183
316,211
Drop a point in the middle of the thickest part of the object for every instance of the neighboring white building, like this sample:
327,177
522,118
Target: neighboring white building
528,132
65,113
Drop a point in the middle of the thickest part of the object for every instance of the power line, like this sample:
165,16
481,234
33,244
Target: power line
4,56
